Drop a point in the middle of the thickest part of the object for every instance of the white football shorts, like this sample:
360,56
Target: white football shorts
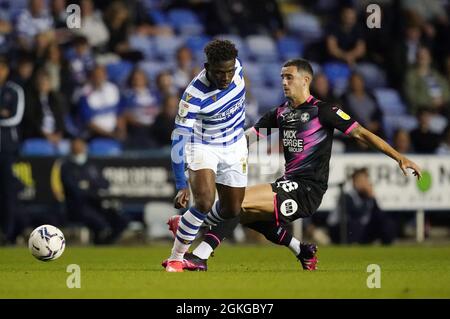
229,163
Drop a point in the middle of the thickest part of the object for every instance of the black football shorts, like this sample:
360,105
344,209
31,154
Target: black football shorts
294,199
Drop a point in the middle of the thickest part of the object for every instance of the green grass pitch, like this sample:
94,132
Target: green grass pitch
261,271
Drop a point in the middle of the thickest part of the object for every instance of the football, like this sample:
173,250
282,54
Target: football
46,243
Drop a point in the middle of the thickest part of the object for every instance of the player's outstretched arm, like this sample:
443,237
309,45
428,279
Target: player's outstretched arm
365,136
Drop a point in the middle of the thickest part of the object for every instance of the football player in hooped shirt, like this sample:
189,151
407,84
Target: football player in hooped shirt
306,127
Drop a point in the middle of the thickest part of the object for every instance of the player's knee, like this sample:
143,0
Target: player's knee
204,204
230,211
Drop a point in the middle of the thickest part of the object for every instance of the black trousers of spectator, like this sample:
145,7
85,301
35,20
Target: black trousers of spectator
380,226
7,195
106,224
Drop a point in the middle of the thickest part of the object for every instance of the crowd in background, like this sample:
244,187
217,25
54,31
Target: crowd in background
121,74
118,78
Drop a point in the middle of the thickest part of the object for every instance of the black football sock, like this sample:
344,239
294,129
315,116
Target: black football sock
276,234
219,232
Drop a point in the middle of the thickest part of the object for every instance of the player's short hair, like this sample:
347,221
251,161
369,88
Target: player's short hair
220,51
301,64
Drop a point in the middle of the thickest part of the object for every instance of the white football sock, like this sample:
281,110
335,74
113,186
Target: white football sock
203,250
294,246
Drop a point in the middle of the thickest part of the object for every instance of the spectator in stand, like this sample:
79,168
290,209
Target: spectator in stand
83,186
161,130
59,13
345,41
402,141
6,29
165,86
444,147
183,72
403,54
245,17
92,26
320,88
58,71
117,19
424,140
424,85
32,21
81,60
362,106
23,71
433,17
44,111
140,109
366,222
11,114
99,106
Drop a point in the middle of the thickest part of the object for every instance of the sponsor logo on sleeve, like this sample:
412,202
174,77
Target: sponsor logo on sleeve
343,115
183,109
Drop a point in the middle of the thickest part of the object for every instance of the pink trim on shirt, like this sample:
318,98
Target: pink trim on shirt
309,98
351,128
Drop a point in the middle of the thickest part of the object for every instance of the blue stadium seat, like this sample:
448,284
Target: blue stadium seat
268,98
197,43
143,44
254,73
272,74
289,48
317,68
166,47
338,74
394,122
262,48
306,25
374,77
389,101
152,68
185,21
158,17
118,72
38,147
104,147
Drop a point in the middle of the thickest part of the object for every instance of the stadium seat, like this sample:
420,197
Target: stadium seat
158,17
306,25
197,43
337,74
104,147
262,48
152,69
373,76
394,122
254,73
289,48
389,101
317,68
118,72
185,21
166,47
38,147
272,74
143,44
267,98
